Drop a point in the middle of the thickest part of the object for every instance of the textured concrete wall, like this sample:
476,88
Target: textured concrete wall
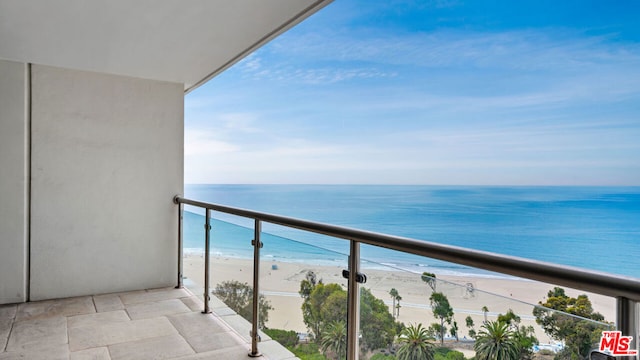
107,158
14,147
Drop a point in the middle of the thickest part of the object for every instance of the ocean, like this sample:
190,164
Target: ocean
595,228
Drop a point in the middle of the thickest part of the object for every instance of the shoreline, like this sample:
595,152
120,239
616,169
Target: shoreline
280,281
366,264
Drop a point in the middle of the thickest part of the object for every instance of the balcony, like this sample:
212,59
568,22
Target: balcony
275,283
192,322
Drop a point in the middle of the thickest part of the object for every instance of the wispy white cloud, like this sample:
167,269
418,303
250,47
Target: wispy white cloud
534,49
315,75
205,142
364,105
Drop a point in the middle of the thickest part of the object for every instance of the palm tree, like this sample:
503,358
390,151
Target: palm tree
485,310
416,344
334,339
394,295
496,342
398,298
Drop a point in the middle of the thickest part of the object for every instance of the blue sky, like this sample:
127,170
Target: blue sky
429,92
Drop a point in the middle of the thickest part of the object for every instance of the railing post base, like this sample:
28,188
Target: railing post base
255,339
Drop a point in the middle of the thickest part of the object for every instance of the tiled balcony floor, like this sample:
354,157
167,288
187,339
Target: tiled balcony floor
147,324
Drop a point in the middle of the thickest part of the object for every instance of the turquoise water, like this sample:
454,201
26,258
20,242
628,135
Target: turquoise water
591,227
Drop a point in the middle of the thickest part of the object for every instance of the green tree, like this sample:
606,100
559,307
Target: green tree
334,339
523,335
376,323
580,333
436,330
306,286
325,304
495,341
415,344
430,279
441,310
470,325
239,297
454,330
526,338
510,318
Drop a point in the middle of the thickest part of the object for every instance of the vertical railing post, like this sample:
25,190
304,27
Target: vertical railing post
257,244
628,320
207,244
353,302
180,240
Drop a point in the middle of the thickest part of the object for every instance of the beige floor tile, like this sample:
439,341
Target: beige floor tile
97,319
154,309
108,334
51,308
193,303
242,327
204,332
8,311
196,322
165,347
156,295
51,352
108,302
101,353
38,334
5,329
206,341
7,316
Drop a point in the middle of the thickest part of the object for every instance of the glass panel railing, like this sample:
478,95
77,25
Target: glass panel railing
306,297
463,311
284,266
397,301
230,268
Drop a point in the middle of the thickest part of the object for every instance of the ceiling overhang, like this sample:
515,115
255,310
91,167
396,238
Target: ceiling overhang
179,41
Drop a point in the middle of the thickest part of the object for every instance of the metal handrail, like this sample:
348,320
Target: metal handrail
586,280
626,290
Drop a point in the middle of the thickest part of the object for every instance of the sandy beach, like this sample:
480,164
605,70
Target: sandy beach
280,282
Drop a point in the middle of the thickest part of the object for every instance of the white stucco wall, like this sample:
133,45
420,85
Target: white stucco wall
13,181
107,158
